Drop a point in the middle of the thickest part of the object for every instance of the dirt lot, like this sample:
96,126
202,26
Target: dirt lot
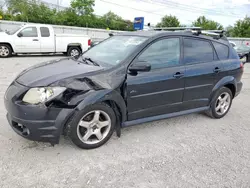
187,151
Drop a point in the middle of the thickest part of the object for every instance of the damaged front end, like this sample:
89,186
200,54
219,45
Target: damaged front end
88,90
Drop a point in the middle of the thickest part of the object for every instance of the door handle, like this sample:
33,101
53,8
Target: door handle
217,70
178,75
35,40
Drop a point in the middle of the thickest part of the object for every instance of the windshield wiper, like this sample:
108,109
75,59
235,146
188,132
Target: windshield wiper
88,59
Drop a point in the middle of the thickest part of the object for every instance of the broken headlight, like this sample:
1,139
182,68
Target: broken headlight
42,95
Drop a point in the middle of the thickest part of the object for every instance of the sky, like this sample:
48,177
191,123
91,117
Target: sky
225,12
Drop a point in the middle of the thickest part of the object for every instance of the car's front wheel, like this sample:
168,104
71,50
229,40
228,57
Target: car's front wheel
5,50
93,126
221,103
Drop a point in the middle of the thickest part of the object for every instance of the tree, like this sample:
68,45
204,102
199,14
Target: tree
18,7
242,28
229,31
83,7
207,24
169,21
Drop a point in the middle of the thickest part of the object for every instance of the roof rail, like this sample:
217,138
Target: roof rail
175,28
217,34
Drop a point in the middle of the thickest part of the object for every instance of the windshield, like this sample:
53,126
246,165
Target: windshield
13,31
115,49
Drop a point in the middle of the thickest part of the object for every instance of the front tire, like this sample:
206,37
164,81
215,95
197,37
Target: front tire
5,51
93,126
221,103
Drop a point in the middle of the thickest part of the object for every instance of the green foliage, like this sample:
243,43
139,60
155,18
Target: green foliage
81,14
229,31
242,28
169,21
83,7
207,24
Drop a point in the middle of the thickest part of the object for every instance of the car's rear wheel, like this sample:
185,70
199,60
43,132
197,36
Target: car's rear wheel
221,103
93,126
5,50
74,52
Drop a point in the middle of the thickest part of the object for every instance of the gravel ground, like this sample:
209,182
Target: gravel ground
187,151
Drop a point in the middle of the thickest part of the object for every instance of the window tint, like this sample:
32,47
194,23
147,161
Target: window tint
44,32
197,51
222,50
163,53
29,32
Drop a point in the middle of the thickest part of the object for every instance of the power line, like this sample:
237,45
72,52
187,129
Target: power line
123,6
189,8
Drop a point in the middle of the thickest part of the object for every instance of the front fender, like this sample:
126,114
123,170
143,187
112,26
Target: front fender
98,96
224,81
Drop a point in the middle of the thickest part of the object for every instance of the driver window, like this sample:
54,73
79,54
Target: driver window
29,32
163,53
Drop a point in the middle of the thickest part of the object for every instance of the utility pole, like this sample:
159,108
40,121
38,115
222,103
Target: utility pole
57,5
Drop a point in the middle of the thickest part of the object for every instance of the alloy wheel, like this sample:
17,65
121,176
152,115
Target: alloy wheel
4,51
74,53
223,103
94,127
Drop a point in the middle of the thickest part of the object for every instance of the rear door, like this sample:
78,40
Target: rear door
47,40
202,70
160,90
28,40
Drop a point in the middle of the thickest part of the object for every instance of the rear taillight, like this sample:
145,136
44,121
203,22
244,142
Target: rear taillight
241,65
89,42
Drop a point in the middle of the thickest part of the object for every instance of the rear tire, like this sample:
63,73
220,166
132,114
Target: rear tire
74,52
93,126
5,51
221,103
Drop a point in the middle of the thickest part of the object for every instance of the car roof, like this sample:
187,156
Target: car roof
156,34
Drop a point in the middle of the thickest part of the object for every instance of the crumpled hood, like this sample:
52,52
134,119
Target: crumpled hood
47,73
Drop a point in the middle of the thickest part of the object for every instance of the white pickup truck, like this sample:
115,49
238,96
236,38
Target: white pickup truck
34,38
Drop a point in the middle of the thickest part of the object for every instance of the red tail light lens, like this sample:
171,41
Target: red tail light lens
241,65
89,42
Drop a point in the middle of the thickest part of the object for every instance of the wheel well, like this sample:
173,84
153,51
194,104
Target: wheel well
232,88
8,44
116,108
74,45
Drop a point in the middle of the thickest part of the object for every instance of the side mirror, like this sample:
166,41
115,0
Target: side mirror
140,66
19,34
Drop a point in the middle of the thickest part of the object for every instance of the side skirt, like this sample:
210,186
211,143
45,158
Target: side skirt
164,116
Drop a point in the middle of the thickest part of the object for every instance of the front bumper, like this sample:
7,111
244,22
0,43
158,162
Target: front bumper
34,122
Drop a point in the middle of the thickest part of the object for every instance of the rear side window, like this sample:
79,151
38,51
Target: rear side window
44,32
197,51
222,50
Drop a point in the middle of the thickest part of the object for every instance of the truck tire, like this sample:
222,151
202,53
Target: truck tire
5,51
74,52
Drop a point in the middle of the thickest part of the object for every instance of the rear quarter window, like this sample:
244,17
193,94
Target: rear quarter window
222,50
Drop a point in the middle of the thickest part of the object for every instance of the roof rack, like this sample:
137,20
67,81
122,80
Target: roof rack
175,28
217,34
